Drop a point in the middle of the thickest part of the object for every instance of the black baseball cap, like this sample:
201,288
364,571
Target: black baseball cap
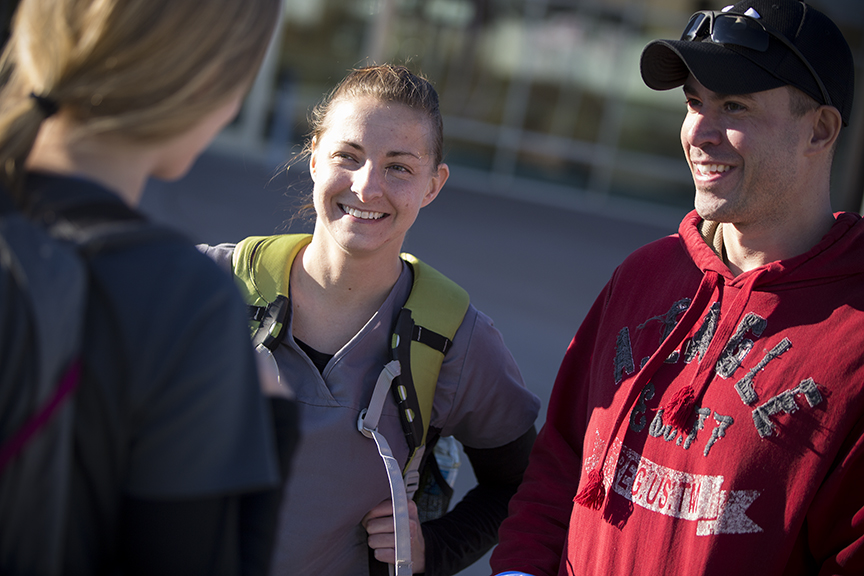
727,67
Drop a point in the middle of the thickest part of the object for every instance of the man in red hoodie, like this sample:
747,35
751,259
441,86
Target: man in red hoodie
708,417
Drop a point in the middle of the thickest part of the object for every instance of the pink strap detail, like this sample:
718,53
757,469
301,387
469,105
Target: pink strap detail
68,383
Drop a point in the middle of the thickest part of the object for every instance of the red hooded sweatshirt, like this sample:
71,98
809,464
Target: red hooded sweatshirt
761,468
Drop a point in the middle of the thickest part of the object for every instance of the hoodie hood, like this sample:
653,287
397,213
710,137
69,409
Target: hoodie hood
839,254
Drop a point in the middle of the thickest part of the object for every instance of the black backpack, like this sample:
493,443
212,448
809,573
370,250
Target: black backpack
43,294
43,283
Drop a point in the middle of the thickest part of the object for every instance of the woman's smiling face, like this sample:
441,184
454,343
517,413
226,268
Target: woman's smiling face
373,170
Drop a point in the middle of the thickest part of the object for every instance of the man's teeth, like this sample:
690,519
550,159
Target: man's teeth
712,168
362,214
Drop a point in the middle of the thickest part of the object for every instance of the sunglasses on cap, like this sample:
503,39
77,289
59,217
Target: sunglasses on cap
742,30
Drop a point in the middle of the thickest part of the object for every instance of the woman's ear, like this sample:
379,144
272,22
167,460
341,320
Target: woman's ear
826,128
437,182
312,148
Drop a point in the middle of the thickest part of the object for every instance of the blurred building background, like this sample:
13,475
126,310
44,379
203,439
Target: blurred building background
542,98
543,104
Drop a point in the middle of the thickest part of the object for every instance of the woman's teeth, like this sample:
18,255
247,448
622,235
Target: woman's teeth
363,215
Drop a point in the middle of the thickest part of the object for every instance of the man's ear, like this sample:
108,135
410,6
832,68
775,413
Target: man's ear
826,128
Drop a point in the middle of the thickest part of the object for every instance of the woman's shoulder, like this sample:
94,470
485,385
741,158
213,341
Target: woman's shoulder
221,254
478,331
166,264
482,398
154,292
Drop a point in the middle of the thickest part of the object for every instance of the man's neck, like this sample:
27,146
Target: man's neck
745,248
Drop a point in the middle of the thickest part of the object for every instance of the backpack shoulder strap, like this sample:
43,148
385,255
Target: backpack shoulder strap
423,334
262,268
100,227
43,289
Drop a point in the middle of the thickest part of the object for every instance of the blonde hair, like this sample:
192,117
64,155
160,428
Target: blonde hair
149,69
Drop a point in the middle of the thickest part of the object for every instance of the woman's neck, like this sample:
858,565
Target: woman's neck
111,161
348,277
334,294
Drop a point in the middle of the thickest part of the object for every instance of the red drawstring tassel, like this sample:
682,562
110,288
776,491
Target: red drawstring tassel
679,409
593,494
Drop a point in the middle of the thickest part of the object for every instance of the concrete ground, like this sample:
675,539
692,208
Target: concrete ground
534,267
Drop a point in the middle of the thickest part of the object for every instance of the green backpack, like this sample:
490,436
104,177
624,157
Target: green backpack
423,333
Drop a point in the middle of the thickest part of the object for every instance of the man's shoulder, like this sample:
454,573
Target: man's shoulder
660,252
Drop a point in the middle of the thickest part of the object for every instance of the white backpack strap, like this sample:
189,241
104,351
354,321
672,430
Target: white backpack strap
367,424
412,474
370,416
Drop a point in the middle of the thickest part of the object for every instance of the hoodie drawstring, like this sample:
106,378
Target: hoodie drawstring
679,409
593,494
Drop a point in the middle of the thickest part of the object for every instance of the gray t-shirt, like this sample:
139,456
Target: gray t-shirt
337,473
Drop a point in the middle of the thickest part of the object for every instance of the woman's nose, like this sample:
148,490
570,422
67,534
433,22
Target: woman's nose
367,182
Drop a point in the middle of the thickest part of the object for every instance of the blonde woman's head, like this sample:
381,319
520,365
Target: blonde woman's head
147,69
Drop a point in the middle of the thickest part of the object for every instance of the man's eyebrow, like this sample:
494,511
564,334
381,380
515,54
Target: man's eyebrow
395,153
692,90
